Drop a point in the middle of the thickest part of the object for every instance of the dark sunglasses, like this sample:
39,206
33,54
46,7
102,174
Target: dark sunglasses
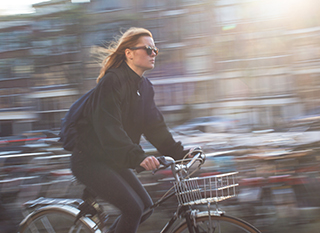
149,49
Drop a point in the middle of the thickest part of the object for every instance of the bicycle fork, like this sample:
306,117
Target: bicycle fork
191,219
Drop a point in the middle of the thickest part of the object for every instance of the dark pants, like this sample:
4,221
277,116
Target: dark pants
120,188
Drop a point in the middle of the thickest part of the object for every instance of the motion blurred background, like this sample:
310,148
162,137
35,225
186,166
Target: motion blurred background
239,77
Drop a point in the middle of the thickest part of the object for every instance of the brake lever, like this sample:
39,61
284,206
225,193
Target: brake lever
162,160
165,164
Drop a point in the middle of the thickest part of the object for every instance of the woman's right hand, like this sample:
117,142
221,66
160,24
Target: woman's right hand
150,163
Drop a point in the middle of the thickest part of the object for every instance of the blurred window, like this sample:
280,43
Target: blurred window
230,49
226,14
69,43
103,33
53,75
316,80
200,95
42,47
198,60
280,45
172,29
46,119
191,2
197,24
65,102
153,4
42,24
5,68
280,84
170,63
15,39
22,67
12,98
175,94
167,94
211,87
234,88
263,85
177,97
102,5
307,52
5,101
42,43
255,10
189,89
272,85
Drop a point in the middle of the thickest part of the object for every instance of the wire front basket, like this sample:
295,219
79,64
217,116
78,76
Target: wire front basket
203,190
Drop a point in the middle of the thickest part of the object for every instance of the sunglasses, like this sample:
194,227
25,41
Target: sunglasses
149,49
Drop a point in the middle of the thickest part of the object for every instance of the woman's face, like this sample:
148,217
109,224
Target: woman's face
138,58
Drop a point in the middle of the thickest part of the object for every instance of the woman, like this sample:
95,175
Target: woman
121,110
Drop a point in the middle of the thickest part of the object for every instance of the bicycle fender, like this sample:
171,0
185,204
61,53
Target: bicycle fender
65,208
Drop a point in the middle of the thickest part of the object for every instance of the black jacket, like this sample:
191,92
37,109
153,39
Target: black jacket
120,110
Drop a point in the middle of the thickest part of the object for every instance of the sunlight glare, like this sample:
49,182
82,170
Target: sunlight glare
275,8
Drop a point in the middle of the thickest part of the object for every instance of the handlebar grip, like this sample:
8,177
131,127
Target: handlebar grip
140,169
162,160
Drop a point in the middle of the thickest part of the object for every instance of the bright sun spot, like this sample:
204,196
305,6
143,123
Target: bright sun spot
280,7
9,7
17,6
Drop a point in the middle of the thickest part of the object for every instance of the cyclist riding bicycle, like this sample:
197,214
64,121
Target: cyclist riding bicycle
120,110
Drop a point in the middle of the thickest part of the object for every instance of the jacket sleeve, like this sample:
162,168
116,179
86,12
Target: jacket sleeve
107,123
157,133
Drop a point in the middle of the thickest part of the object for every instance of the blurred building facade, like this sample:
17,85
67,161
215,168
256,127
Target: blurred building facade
242,59
265,74
16,111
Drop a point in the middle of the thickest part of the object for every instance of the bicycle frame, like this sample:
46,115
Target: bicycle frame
190,192
185,211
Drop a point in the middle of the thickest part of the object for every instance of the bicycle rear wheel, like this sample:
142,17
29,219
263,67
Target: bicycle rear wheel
57,219
219,224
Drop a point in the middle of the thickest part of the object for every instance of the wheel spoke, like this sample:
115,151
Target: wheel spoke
218,224
57,220
46,223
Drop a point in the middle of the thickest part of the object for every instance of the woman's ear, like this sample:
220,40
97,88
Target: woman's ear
129,54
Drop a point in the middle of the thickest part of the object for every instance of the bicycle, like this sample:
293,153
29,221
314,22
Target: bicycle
193,194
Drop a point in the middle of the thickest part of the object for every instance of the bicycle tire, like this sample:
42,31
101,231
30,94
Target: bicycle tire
219,224
57,219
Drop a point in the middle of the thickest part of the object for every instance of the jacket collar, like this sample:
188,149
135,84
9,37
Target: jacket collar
131,73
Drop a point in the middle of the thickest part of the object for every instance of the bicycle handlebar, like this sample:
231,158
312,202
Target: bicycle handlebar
166,162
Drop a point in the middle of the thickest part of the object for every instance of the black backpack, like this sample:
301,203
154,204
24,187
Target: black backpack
68,133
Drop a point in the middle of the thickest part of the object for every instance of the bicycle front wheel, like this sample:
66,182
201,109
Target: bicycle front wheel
57,219
217,224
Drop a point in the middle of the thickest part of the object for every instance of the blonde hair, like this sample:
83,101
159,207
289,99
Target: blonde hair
116,50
